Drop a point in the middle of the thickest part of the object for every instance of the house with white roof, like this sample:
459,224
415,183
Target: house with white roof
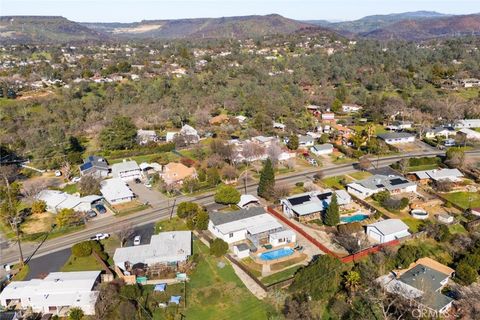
347,108
440,132
126,170
453,175
168,248
397,137
56,294
187,132
116,191
305,141
376,183
311,205
387,230
146,136
322,149
468,123
468,134
252,224
247,200
57,200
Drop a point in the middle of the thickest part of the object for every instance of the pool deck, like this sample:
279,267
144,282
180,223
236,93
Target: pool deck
256,255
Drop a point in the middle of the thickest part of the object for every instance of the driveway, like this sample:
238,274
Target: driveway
144,194
145,232
41,266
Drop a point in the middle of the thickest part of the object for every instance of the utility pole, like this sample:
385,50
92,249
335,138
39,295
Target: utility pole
173,206
14,220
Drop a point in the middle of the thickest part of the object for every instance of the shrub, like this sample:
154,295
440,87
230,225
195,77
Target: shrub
465,273
39,206
187,209
227,195
299,184
82,249
218,247
350,228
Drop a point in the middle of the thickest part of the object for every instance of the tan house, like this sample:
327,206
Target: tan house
175,172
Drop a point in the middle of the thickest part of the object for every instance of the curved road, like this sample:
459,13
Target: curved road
113,224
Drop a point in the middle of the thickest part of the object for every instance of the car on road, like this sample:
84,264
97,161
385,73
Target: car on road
100,208
137,240
100,236
137,180
91,214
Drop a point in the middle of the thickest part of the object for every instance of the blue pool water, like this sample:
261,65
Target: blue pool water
276,254
354,218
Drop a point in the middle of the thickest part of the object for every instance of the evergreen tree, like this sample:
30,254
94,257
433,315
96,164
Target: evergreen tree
337,105
292,143
332,216
266,185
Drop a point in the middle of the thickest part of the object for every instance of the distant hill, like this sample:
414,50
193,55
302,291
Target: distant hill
236,27
370,23
44,29
415,30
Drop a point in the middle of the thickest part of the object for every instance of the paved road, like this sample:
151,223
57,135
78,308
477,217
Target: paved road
113,224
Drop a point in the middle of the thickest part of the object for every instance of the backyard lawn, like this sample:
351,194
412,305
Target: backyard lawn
279,276
465,200
217,293
334,182
88,263
413,224
360,175
174,224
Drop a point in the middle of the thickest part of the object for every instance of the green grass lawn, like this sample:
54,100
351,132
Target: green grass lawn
279,276
334,182
81,264
217,293
465,200
174,224
457,228
22,274
413,224
422,167
360,175
70,188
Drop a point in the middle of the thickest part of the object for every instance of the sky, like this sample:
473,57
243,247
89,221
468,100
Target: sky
136,10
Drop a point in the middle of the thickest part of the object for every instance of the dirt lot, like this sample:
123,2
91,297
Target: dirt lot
39,222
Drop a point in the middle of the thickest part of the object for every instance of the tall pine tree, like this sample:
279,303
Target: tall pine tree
266,185
332,216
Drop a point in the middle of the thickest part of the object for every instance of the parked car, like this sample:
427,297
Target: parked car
100,236
137,240
137,180
100,208
91,214
58,173
148,185
76,179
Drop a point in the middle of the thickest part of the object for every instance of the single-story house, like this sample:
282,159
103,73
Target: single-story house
305,141
189,134
252,224
468,123
247,200
322,149
146,136
468,134
241,119
387,230
116,191
281,238
399,125
376,183
470,83
170,248
445,218
95,166
397,137
56,294
126,170
278,125
440,132
328,116
149,167
421,283
310,205
175,172
475,211
347,108
453,175
57,200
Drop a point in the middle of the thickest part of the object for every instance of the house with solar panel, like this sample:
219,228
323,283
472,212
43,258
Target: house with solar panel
392,183
95,166
311,205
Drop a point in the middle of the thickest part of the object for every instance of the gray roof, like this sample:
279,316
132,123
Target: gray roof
219,218
389,226
316,201
390,182
326,146
305,139
242,247
394,135
428,281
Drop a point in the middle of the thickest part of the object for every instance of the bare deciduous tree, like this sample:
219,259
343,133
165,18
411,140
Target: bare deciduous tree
274,151
125,232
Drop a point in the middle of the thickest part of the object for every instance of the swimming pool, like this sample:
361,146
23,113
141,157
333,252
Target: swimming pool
276,254
354,218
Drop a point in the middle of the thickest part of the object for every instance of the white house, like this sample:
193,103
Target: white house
247,200
397,137
252,224
399,125
282,237
322,149
328,116
116,191
146,136
440,132
278,125
169,248
387,230
376,183
56,294
347,108
58,200
189,134
241,250
453,175
469,134
95,166
305,141
468,123
126,170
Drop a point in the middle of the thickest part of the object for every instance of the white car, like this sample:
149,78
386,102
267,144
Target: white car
100,236
58,173
137,240
76,179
